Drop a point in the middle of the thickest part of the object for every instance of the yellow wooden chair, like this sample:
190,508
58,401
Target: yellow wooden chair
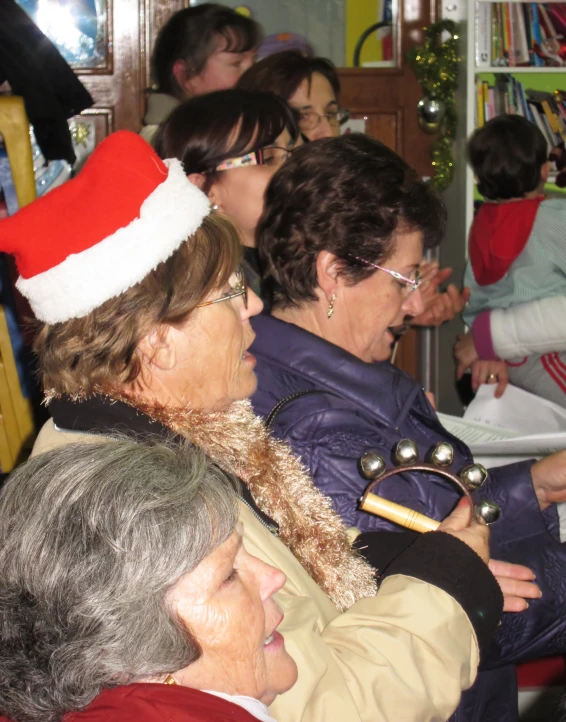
16,416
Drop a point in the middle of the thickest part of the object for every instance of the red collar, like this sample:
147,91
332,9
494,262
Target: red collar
159,703
499,234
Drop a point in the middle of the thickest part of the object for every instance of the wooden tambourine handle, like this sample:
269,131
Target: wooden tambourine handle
402,515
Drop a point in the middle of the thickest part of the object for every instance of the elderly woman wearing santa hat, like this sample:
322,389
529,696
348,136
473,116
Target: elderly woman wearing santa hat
145,330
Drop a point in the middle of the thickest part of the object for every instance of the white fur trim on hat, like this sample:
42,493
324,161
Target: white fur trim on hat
84,281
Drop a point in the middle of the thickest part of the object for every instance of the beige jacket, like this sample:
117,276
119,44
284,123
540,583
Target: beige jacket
404,655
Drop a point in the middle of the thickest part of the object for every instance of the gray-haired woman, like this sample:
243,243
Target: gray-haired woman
126,589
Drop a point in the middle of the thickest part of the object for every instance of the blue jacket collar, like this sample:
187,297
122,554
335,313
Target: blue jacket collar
381,389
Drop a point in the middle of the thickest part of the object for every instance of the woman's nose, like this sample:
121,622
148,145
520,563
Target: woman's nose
247,63
414,304
255,305
271,580
274,581
323,130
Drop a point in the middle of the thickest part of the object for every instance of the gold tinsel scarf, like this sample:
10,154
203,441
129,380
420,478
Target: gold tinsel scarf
238,441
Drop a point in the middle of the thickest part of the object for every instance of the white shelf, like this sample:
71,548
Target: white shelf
551,180
518,69
555,78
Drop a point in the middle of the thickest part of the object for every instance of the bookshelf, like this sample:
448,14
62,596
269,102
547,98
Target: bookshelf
485,56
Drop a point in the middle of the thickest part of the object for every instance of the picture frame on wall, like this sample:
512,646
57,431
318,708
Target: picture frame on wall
79,29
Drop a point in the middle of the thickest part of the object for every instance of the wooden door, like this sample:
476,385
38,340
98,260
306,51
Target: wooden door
119,81
386,98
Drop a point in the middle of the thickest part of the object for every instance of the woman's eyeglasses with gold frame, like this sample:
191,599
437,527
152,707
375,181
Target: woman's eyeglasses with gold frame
240,289
310,119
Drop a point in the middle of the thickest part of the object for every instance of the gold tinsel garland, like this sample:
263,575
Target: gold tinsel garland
435,64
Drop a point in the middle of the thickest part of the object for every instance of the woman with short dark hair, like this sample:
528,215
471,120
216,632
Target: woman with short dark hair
332,199
199,50
118,597
341,239
310,85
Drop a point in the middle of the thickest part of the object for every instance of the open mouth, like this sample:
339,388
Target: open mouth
246,353
398,331
275,636
274,641
247,356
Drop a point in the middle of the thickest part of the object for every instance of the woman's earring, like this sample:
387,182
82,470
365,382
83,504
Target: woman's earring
215,207
331,305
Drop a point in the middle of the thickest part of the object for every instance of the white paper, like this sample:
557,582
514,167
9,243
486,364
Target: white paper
473,432
517,410
516,427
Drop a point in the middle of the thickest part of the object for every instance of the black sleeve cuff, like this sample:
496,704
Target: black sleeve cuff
380,548
446,562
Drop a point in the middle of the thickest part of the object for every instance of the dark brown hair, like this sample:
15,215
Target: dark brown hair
191,35
507,155
282,73
98,351
207,129
351,196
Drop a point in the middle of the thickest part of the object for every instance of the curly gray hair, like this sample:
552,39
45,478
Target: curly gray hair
92,536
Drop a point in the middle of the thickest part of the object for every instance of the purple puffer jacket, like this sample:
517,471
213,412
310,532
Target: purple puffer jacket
370,407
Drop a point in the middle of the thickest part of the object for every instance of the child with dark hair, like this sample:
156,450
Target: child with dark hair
199,50
517,248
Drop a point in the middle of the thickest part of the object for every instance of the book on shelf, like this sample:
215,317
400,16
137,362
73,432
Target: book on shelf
520,34
483,34
509,96
536,37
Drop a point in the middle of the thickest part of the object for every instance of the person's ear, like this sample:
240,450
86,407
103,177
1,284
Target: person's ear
215,196
158,349
545,171
327,272
197,179
182,76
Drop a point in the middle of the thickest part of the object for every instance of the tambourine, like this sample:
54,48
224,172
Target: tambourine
472,477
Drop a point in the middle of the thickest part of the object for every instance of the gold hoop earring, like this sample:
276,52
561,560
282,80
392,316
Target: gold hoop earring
331,306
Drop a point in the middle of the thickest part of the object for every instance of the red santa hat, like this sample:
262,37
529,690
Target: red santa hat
102,232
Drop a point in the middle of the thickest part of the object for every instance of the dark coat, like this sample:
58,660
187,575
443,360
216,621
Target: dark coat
37,71
370,407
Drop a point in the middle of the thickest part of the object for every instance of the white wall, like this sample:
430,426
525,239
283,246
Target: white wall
452,251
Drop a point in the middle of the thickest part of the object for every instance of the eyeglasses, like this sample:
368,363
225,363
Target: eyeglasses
240,289
309,120
270,155
409,283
